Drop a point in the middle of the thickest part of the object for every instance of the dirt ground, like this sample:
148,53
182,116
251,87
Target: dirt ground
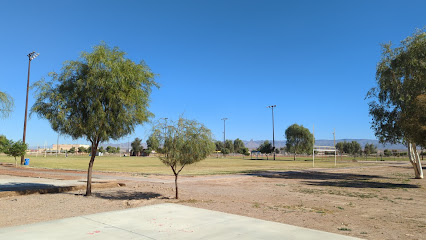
372,202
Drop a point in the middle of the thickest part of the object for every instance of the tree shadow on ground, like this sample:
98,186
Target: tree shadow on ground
360,184
128,195
312,175
14,186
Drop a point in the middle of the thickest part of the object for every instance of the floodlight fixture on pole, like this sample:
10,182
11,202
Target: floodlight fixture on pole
31,57
273,130
224,119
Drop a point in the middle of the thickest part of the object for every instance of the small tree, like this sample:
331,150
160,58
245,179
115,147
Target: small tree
82,149
137,146
72,150
16,149
101,96
185,142
299,140
265,148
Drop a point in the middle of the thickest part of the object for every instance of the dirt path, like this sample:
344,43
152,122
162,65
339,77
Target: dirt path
382,202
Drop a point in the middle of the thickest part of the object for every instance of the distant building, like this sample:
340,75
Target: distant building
67,147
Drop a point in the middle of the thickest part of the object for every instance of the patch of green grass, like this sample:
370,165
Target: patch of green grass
363,232
341,208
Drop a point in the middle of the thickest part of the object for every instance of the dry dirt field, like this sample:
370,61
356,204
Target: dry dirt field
372,202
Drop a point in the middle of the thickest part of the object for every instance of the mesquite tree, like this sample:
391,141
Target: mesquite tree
184,142
6,104
398,108
100,96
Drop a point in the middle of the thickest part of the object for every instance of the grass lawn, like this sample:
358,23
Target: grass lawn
212,165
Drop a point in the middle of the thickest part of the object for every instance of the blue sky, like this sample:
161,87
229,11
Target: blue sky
315,60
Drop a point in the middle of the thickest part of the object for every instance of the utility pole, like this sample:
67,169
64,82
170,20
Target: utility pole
273,131
224,119
31,56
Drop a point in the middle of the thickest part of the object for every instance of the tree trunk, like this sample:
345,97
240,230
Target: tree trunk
176,186
415,160
89,170
16,162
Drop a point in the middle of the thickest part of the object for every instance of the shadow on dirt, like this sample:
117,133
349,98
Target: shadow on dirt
361,184
13,186
313,175
347,180
128,195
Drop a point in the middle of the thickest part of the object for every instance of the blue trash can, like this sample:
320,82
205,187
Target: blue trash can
27,161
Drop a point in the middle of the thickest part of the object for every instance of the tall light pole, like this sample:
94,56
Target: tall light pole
273,131
224,119
31,56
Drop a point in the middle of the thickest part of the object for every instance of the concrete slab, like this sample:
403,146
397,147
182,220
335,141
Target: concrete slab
163,221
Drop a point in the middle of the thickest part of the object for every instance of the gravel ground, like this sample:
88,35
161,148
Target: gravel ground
382,202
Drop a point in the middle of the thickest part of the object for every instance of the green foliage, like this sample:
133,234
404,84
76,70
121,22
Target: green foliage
239,146
72,150
3,143
387,152
185,142
353,148
6,104
137,146
82,149
265,147
299,140
219,145
229,145
153,142
16,149
398,108
370,149
110,149
100,96
101,149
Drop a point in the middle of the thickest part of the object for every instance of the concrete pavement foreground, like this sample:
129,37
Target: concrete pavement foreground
163,221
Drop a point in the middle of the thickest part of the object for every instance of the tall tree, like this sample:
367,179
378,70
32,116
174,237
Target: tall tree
239,146
153,142
137,146
229,145
398,109
186,142
299,140
101,96
6,104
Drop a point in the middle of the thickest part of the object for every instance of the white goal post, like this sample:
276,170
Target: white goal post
324,148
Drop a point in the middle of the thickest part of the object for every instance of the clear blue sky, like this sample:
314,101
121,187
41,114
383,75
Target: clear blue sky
315,60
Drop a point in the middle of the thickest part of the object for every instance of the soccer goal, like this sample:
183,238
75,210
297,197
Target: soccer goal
324,149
